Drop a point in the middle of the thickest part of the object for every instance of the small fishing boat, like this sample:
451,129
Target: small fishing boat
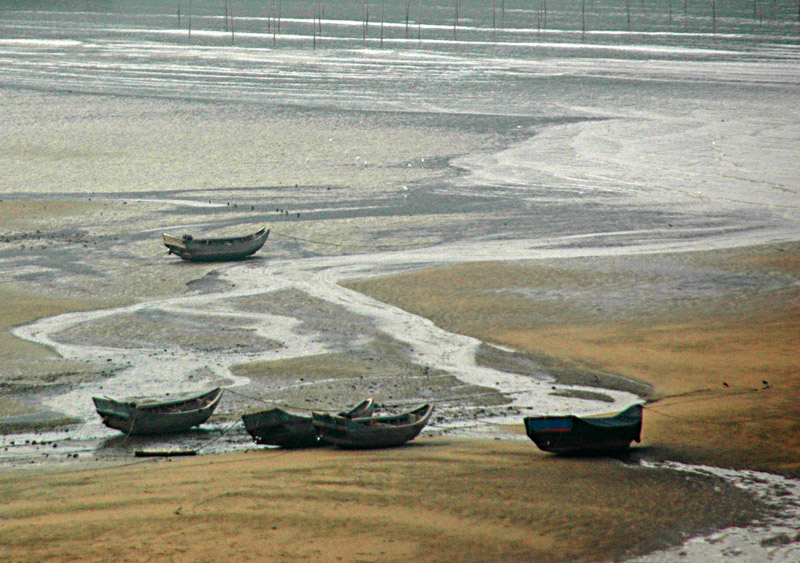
216,249
157,417
279,427
376,432
586,435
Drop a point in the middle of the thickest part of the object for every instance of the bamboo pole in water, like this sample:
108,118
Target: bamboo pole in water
544,14
583,20
408,10
419,23
714,16
365,18
628,10
455,19
274,25
233,38
540,25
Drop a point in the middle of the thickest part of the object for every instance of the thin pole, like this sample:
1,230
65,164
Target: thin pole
544,14
233,39
714,16
366,17
628,8
274,25
583,20
455,20
408,9
419,23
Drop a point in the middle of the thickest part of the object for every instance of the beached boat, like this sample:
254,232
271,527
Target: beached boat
377,432
216,249
586,435
279,427
157,417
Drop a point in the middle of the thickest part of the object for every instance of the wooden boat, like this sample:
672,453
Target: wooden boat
216,249
157,417
377,432
278,427
586,435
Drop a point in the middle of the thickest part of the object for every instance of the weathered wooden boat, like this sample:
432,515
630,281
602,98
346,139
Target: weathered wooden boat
586,435
279,427
216,249
376,432
157,417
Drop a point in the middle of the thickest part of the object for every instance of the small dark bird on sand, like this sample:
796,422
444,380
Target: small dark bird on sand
725,383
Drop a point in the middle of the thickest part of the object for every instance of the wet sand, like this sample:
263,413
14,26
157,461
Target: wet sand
651,325
437,499
714,334
439,495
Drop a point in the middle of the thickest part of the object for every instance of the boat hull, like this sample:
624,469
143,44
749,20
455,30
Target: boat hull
166,417
277,427
575,435
216,249
377,432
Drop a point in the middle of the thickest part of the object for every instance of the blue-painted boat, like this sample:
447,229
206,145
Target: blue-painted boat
572,434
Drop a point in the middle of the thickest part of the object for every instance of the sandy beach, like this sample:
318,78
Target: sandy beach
450,496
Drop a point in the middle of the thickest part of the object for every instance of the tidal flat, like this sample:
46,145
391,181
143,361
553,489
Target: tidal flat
500,221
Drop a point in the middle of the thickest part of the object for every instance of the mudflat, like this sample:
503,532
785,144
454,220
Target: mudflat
715,334
722,367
